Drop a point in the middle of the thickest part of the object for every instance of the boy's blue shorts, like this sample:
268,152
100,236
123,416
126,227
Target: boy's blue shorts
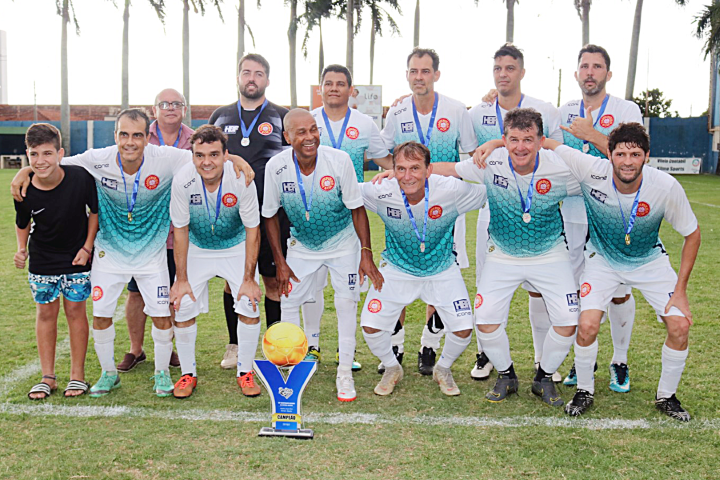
75,287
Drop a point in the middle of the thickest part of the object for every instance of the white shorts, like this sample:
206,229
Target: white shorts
343,276
553,280
154,288
322,280
459,242
446,291
576,237
200,270
483,223
655,280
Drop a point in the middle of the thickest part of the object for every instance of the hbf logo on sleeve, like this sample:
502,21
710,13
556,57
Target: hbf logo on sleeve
288,187
394,212
571,117
489,120
231,129
109,183
598,195
163,292
500,181
195,199
407,127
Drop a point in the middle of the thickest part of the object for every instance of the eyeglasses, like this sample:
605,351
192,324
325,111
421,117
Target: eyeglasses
167,105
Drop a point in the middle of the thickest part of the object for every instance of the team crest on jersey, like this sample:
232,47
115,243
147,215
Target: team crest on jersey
101,254
288,187
231,129
265,128
607,120
543,186
97,293
572,299
374,306
152,182
394,212
462,305
489,120
500,181
643,209
435,212
352,133
407,127
585,289
478,301
195,199
229,200
327,183
293,242
443,124
598,195
109,183
163,292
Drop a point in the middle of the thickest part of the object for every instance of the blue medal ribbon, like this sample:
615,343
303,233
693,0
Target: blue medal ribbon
526,205
499,116
133,198
425,141
599,116
307,203
217,204
162,140
336,143
247,130
633,212
412,217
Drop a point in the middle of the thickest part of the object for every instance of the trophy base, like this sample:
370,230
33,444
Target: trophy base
302,434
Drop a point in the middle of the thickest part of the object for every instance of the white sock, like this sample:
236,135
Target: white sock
622,319
673,364
454,347
185,339
585,358
104,341
346,310
430,339
555,350
398,340
540,324
163,348
344,370
290,314
497,348
247,346
312,314
380,346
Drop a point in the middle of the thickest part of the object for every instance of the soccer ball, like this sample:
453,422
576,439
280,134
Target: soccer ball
284,344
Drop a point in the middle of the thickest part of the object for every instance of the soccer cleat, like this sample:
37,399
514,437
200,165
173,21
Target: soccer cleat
163,384
345,388
390,378
482,368
313,354
504,386
580,403
619,377
247,385
426,361
398,354
444,378
229,359
356,366
185,386
105,385
571,379
672,408
545,389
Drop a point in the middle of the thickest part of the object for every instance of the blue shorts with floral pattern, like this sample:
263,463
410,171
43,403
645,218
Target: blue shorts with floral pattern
75,287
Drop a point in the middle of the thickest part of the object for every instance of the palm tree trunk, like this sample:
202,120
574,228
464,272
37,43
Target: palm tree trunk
350,34
510,25
372,50
634,51
321,56
64,101
586,22
125,97
241,31
416,35
292,39
186,60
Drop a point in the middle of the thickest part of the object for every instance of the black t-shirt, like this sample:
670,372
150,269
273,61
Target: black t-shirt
266,137
60,222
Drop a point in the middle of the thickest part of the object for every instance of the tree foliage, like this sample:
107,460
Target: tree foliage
657,105
708,27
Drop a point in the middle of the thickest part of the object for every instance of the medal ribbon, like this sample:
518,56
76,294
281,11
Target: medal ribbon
245,130
599,115
162,140
499,116
217,204
307,203
526,206
633,211
423,140
412,217
336,143
131,201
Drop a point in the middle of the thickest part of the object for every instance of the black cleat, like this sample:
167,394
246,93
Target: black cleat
545,389
672,408
426,361
580,403
504,386
399,356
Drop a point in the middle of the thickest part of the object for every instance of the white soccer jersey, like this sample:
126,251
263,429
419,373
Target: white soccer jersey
452,129
449,198
510,237
335,192
196,208
661,196
361,136
487,127
137,246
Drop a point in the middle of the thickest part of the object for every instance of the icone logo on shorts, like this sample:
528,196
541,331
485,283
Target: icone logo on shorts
374,306
607,120
543,186
443,124
478,300
643,209
97,294
229,200
152,182
327,183
265,128
435,212
352,133
585,289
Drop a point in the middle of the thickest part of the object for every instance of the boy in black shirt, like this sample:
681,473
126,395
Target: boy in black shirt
60,249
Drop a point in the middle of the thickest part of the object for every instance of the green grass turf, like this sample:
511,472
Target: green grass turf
404,444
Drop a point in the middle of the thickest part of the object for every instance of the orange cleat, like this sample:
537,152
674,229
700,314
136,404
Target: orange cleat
185,386
247,385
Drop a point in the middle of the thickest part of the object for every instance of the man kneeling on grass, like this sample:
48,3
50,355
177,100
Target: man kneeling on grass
60,248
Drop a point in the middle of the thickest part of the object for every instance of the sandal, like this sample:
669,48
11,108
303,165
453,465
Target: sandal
76,385
43,388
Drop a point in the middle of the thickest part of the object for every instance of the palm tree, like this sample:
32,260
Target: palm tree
350,17
241,31
416,33
583,10
634,47
510,22
708,27
63,9
378,14
315,11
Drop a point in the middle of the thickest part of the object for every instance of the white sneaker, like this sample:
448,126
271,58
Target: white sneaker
390,378
556,377
482,368
230,358
345,387
444,378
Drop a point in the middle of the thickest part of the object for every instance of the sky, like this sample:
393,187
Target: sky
465,36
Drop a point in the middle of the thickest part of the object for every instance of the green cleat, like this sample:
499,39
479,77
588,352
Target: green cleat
163,384
313,354
105,385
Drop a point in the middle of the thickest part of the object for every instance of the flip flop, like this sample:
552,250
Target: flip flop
76,385
43,388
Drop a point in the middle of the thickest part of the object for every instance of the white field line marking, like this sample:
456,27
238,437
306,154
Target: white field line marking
705,204
199,415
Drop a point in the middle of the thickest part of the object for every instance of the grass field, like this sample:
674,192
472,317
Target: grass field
415,433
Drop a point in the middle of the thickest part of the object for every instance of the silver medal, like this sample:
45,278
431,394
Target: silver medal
245,142
526,217
586,147
422,247
307,216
